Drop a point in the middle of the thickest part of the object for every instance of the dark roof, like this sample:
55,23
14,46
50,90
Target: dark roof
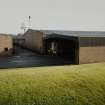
52,36
73,33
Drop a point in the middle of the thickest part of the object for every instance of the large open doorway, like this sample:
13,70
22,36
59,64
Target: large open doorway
65,48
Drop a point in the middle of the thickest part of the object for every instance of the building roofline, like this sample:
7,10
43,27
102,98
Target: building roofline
71,33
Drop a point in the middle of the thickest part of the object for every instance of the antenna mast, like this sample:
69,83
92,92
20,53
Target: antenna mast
23,27
29,22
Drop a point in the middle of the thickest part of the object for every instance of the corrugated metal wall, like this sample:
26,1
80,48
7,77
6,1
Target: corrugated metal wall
92,41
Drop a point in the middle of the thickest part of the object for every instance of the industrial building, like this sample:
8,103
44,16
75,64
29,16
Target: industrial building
77,46
79,49
6,45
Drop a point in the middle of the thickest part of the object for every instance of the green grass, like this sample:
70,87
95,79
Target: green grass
63,85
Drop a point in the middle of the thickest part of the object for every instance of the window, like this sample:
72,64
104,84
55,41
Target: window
6,49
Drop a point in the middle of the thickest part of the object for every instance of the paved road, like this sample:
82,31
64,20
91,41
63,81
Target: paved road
26,58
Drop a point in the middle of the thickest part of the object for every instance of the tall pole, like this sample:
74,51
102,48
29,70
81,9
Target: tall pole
29,22
23,27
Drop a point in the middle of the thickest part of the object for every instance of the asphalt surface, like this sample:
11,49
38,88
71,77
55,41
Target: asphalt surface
27,58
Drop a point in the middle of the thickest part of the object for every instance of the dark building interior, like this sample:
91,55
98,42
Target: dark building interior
64,47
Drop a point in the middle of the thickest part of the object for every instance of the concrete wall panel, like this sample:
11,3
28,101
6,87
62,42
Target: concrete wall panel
6,42
92,54
34,40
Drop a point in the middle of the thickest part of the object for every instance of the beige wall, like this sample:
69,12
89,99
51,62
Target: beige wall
92,54
33,40
5,42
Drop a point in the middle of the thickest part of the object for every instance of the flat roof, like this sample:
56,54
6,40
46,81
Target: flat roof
53,36
5,35
72,33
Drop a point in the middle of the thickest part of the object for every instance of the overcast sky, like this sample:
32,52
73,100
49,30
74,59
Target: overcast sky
52,14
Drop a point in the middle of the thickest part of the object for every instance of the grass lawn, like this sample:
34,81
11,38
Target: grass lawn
63,85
